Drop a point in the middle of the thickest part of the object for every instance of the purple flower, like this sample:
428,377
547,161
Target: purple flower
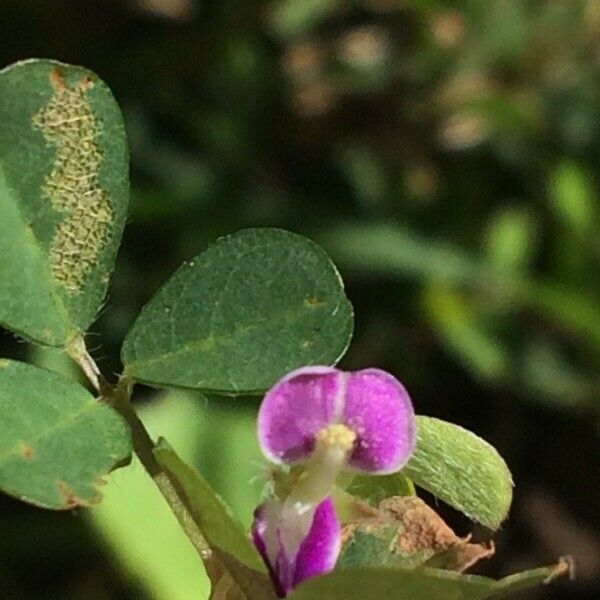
315,406
316,555
329,421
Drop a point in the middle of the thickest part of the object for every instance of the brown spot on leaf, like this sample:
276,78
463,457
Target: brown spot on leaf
314,302
87,83
348,532
27,452
70,498
464,555
57,79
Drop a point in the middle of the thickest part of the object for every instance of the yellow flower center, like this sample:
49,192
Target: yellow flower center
336,436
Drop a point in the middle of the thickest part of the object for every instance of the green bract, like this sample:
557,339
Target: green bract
216,521
462,469
234,552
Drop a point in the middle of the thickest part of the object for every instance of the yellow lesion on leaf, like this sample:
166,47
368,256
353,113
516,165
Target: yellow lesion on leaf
73,186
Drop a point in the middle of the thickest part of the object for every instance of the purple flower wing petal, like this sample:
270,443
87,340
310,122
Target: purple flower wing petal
380,411
320,549
295,409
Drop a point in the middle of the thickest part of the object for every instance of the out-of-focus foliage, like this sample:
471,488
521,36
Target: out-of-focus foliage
445,153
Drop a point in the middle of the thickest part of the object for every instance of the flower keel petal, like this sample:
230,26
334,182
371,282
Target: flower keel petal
319,551
316,555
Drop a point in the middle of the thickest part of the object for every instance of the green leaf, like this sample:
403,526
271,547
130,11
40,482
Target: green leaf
420,584
63,197
215,519
219,440
379,487
251,308
371,549
56,439
461,469
219,526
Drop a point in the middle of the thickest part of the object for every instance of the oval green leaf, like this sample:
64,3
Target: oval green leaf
461,469
56,439
63,197
251,308
420,584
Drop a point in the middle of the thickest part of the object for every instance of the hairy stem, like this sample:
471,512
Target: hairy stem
118,396
143,446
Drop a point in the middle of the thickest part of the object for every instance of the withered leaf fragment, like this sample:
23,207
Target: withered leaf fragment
405,532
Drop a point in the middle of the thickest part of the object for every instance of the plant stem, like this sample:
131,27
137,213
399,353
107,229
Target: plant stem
143,446
118,396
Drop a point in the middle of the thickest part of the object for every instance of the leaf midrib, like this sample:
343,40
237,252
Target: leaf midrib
213,340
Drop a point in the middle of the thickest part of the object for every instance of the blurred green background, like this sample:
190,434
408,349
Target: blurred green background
446,155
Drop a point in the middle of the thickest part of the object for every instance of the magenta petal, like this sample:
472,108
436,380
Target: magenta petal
259,533
380,411
296,408
320,549
317,554
259,527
